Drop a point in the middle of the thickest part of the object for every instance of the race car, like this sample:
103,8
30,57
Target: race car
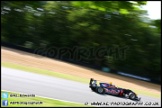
108,88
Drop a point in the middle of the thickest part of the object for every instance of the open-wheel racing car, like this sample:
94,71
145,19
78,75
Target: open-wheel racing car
108,88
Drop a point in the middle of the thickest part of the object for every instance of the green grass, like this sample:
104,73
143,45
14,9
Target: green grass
69,77
45,101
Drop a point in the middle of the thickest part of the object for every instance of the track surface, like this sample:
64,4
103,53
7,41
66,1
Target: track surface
52,87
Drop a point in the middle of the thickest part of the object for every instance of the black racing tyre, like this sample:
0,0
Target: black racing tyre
132,95
100,90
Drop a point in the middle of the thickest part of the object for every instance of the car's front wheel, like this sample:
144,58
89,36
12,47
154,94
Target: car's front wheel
132,95
100,90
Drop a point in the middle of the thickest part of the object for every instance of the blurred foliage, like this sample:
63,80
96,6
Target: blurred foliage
90,24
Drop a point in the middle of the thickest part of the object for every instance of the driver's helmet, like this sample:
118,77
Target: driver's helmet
110,83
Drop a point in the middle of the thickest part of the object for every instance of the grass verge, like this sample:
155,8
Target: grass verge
66,76
35,101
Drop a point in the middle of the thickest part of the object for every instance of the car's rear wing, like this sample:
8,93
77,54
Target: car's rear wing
94,81
91,80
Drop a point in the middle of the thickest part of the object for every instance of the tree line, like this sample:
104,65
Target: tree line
121,35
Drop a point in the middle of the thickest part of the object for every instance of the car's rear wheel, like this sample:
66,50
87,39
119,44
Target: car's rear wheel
100,90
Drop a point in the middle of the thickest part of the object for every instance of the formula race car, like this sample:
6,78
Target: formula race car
108,88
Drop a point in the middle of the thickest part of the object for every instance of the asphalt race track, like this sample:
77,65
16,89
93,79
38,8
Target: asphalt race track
52,87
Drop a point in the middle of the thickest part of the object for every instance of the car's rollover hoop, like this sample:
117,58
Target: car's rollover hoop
106,88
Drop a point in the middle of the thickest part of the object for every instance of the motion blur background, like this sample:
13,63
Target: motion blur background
29,25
